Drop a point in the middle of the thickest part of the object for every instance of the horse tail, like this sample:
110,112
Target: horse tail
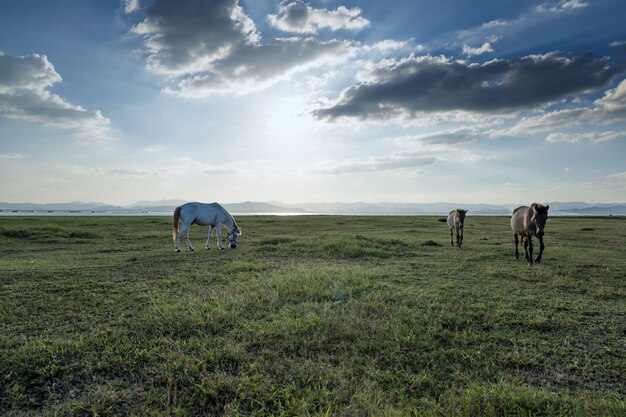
443,220
176,218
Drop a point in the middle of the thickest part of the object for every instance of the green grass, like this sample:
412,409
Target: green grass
311,316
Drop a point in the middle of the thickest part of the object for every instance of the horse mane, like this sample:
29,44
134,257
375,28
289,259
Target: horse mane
231,217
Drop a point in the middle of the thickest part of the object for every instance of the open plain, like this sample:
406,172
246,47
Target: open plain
311,315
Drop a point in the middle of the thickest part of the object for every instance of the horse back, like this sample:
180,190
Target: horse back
202,214
451,219
517,220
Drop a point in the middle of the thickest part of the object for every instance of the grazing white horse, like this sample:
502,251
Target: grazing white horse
456,223
212,215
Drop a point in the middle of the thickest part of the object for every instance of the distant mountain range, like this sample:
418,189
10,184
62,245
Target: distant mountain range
274,207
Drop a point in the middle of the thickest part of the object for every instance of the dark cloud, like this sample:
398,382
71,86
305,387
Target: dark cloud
252,65
186,36
438,84
214,45
29,72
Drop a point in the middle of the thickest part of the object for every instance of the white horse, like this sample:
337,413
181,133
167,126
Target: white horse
212,215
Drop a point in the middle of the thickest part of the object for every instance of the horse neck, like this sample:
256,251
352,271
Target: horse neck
229,221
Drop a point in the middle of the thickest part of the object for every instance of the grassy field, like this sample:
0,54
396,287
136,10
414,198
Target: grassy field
311,315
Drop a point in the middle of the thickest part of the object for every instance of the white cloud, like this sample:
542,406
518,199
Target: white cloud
485,48
396,161
131,6
449,137
24,95
618,175
299,17
391,45
596,137
11,155
611,108
562,7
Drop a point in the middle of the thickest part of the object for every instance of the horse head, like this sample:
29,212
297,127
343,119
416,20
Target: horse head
460,214
233,237
539,217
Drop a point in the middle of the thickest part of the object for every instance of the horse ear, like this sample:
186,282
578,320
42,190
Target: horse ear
547,207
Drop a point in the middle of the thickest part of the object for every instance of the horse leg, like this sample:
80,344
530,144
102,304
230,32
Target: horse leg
528,245
208,240
451,241
541,248
516,244
186,231
176,247
460,237
218,230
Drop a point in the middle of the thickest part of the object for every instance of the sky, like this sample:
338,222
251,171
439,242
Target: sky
415,101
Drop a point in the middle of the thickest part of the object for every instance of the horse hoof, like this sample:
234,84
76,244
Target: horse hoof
176,249
208,248
191,249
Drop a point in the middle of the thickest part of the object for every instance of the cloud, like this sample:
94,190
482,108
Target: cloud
595,137
206,47
11,155
187,36
396,161
469,51
24,95
253,67
619,175
131,6
450,137
564,6
611,108
299,17
521,33
426,84
391,45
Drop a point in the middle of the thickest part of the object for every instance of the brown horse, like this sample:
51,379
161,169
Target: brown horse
527,222
456,221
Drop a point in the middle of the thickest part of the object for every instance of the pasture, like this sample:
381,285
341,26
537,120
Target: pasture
314,315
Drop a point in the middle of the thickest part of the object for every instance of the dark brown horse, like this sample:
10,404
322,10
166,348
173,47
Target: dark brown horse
456,222
527,222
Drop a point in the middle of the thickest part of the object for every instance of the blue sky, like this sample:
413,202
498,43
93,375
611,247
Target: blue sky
321,101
